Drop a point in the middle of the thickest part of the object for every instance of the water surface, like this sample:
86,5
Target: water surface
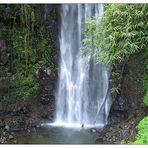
57,135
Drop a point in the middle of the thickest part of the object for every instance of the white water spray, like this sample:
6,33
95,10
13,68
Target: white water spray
82,94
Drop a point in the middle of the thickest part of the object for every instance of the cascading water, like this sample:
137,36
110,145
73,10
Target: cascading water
82,94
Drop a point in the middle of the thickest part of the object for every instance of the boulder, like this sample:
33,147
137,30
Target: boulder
47,71
45,99
7,127
11,137
99,140
93,130
43,73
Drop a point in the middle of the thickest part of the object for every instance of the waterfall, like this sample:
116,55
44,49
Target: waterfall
82,94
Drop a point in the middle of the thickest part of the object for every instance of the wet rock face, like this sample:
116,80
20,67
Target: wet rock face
49,14
4,84
4,56
127,106
130,97
43,73
52,16
4,60
132,83
46,95
117,116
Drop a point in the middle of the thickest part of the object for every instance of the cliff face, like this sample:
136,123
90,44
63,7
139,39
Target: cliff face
49,15
17,114
4,63
37,33
129,100
127,108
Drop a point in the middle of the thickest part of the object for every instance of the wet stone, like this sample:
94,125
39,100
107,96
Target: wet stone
99,140
93,130
14,141
11,137
7,127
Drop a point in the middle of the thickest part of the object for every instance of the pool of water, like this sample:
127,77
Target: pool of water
57,135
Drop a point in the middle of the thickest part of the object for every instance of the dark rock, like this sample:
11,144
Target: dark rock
3,139
3,133
7,127
38,126
4,56
28,130
130,97
99,140
11,137
4,84
14,141
43,73
25,110
46,99
51,118
47,71
16,129
82,125
120,104
93,130
2,124
117,115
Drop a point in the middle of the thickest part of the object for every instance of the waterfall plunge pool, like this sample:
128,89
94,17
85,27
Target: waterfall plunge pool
53,134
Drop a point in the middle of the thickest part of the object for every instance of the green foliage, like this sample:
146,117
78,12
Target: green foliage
123,30
145,80
145,84
45,48
30,46
146,98
24,87
115,74
142,136
54,13
115,88
122,142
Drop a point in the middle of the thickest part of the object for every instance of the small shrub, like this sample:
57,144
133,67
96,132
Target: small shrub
142,136
146,99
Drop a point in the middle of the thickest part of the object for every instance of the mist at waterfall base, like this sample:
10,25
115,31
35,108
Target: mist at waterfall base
82,96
